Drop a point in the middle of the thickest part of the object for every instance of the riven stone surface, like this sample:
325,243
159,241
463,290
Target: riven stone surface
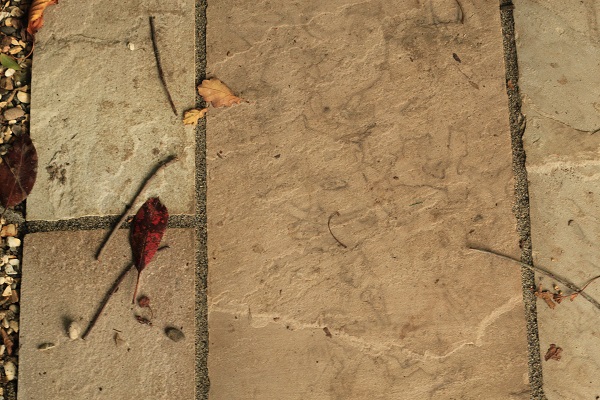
99,116
558,51
60,286
393,115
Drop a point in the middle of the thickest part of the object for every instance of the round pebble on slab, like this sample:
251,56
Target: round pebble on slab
174,334
74,330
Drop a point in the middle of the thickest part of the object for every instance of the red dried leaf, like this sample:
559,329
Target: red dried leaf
148,228
18,171
36,14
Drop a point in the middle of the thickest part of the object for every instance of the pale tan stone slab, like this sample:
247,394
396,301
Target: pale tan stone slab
361,109
62,282
558,55
99,116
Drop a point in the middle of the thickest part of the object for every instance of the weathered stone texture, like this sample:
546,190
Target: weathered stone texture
558,52
100,118
63,283
361,109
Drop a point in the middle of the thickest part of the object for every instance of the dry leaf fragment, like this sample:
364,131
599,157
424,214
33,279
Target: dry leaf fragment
216,93
546,296
191,117
553,353
36,14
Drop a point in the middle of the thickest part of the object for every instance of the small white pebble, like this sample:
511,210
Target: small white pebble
8,280
13,241
8,268
23,97
10,371
131,46
74,330
14,308
14,262
9,72
14,325
5,323
2,280
7,292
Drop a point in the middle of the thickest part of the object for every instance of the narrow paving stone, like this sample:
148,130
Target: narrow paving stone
100,118
558,58
62,283
393,115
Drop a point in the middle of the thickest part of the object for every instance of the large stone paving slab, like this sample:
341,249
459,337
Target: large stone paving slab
558,57
393,115
100,118
62,283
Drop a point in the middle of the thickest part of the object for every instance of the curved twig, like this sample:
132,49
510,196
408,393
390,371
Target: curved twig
329,227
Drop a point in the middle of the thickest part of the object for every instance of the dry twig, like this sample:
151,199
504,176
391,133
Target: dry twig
329,227
158,65
543,271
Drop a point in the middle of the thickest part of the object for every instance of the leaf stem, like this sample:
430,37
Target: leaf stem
158,65
153,173
543,271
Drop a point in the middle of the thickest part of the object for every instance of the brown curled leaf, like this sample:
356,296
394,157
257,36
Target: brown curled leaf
36,14
216,93
553,353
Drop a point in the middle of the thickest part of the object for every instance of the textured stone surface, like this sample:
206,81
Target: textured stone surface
99,116
558,52
558,59
61,285
361,109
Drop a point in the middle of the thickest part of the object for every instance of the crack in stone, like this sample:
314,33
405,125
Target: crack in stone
370,347
550,117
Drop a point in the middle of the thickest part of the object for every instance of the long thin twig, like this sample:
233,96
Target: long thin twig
329,227
112,290
158,65
112,233
543,271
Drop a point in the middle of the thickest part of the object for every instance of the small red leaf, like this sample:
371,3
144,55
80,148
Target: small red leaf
18,171
148,228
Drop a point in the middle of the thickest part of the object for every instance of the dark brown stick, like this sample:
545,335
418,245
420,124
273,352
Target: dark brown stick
158,65
112,290
112,233
329,227
543,271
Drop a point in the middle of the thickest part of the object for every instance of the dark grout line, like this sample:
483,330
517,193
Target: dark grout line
201,304
521,206
92,223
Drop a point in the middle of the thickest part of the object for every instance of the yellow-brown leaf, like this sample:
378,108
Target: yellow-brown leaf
191,117
215,92
36,14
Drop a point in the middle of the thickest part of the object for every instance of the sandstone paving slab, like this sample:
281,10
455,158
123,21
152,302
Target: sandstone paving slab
62,283
99,116
387,124
558,52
